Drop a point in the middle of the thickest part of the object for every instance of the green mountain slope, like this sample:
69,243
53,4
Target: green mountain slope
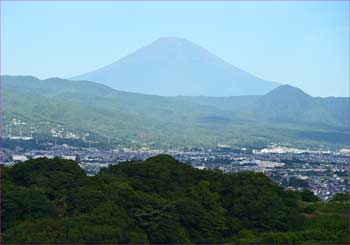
104,114
158,201
290,104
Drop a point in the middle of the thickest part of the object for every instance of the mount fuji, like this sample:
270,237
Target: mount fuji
173,66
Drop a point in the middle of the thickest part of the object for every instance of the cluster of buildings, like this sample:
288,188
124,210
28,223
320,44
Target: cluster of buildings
324,172
17,129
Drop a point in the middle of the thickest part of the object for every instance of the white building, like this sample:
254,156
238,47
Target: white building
19,158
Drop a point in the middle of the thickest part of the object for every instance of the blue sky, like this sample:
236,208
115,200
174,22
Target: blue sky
305,44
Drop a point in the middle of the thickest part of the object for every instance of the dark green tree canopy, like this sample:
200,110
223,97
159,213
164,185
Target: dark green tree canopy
159,200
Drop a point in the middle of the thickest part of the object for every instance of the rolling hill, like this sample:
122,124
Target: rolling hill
175,66
290,104
286,114
160,201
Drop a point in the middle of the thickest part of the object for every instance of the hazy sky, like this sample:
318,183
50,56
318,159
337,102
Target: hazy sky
305,44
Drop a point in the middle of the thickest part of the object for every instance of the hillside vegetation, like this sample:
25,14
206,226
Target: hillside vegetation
160,200
285,115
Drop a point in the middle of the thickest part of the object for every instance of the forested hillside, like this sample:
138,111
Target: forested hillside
160,200
285,115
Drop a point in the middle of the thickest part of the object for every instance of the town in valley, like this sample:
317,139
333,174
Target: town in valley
325,172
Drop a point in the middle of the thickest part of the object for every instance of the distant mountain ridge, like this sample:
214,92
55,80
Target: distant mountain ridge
285,114
175,66
287,103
